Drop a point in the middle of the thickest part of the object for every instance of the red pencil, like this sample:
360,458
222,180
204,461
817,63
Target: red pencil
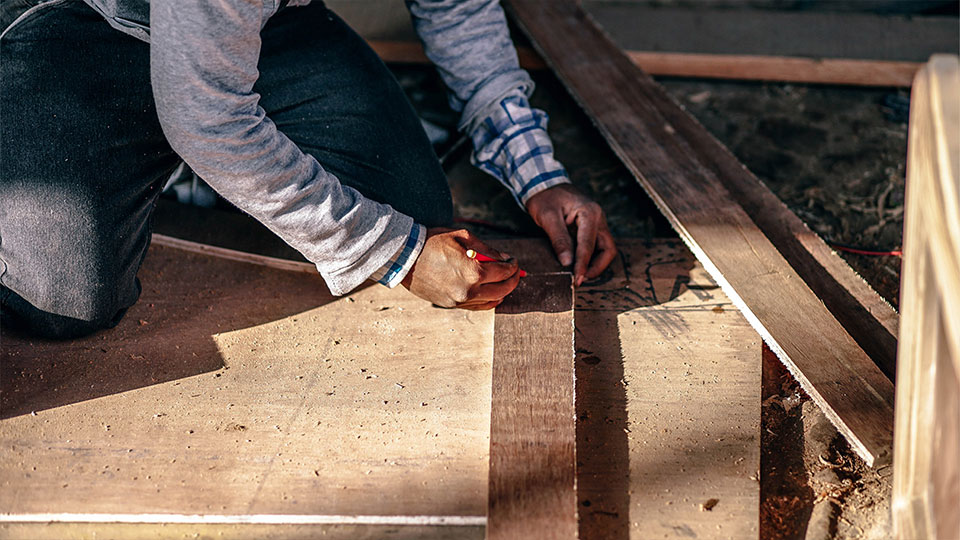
483,258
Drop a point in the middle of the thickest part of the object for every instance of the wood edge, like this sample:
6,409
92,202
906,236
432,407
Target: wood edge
835,71
839,71
232,254
247,519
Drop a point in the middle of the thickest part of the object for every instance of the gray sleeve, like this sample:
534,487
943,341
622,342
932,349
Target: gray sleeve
203,62
470,44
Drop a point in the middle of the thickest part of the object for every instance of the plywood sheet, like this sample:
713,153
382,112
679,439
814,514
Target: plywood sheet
286,424
236,390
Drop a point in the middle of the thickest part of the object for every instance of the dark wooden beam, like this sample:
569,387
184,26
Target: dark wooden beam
532,491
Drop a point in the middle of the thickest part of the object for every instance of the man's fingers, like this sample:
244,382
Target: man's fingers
481,307
606,252
556,229
587,227
495,291
494,272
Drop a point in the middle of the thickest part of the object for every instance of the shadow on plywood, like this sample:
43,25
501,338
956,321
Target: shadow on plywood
187,299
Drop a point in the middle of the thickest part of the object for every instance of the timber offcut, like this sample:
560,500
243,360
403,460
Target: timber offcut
532,492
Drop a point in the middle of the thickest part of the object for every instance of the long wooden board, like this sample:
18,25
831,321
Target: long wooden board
652,136
839,71
532,416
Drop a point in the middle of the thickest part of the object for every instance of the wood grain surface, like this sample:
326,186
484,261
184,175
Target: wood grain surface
926,468
234,390
668,397
664,148
532,416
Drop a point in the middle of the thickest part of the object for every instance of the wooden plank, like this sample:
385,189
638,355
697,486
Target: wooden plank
715,66
235,393
127,531
233,255
692,384
926,477
668,403
532,417
649,133
853,72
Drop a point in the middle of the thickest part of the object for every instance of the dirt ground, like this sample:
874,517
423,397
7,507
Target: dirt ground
834,155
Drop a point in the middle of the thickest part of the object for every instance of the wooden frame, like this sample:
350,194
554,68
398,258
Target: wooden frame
926,482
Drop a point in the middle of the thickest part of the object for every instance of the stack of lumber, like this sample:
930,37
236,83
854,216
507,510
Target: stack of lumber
778,273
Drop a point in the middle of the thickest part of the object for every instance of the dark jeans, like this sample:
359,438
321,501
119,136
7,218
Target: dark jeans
84,158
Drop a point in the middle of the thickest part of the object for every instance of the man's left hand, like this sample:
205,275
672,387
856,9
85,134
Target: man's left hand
562,207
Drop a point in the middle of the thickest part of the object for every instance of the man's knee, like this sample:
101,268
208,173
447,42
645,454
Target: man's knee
68,308
69,261
19,314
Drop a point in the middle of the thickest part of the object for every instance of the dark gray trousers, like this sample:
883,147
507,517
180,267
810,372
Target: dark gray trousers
83,158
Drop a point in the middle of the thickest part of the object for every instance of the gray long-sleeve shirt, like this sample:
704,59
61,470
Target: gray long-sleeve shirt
204,57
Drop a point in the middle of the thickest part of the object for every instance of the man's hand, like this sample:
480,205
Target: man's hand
444,275
557,208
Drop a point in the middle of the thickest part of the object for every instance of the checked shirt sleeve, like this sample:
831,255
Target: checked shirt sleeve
510,143
395,269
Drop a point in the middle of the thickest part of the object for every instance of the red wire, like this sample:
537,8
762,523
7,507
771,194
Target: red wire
858,251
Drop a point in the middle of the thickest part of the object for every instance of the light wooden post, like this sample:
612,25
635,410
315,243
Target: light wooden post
926,484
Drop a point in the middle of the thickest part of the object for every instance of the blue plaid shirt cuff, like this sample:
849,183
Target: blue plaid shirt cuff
395,269
511,144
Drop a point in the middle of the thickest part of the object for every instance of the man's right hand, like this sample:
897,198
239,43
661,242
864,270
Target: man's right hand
444,275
